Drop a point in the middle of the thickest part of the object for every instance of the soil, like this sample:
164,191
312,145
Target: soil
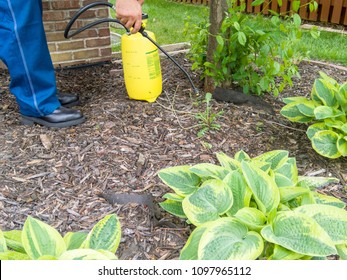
66,177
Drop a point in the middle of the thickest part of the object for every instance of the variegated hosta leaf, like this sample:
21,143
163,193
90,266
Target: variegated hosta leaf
3,247
173,196
325,91
74,240
299,233
313,183
281,253
342,251
332,219
325,143
173,207
40,239
241,155
209,171
190,249
180,179
292,113
342,146
325,112
104,235
289,193
263,187
253,218
211,200
286,175
296,99
84,254
314,128
328,200
228,239
307,108
12,255
344,128
14,240
228,162
241,192
341,96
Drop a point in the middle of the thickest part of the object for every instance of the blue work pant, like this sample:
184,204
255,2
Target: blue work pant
24,50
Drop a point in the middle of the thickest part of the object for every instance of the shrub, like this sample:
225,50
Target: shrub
255,208
39,241
327,110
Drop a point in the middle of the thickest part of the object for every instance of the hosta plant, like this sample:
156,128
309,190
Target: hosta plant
255,208
39,241
326,111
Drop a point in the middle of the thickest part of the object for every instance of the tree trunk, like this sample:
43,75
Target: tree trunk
217,11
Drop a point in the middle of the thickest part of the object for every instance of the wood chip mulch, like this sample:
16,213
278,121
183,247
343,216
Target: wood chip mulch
60,175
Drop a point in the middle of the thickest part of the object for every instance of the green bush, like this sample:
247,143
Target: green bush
255,208
253,52
327,110
39,241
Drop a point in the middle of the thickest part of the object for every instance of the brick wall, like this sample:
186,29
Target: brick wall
90,46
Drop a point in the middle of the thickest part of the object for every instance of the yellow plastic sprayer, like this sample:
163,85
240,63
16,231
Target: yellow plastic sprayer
140,57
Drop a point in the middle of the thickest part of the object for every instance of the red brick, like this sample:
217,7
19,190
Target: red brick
85,54
97,42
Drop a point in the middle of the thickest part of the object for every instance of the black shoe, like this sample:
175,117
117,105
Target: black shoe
61,117
68,100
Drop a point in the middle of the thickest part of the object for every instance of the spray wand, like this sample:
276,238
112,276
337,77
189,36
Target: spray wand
141,31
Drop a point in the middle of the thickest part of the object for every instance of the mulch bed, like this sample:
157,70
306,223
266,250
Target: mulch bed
61,175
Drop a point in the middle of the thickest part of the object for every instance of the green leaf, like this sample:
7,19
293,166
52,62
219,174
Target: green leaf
307,108
313,183
241,192
241,155
286,175
212,199
325,143
332,219
292,113
173,207
209,171
228,239
257,2
180,179
228,162
342,146
14,240
275,157
281,253
289,193
74,240
299,233
329,200
104,235
190,249
3,247
40,239
342,251
83,254
173,196
241,36
253,218
314,128
295,99
296,7
325,91
12,255
263,187
325,112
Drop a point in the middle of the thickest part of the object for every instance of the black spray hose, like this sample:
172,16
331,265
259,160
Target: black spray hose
142,31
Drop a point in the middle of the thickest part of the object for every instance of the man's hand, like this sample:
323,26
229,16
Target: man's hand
129,12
